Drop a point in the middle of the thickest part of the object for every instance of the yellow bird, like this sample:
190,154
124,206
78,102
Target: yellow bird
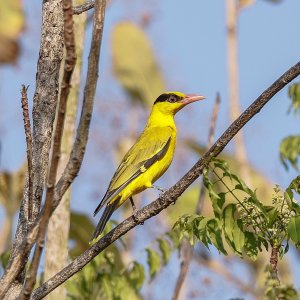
148,158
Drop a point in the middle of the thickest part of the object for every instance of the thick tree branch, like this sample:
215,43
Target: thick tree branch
69,66
77,10
44,109
173,193
27,128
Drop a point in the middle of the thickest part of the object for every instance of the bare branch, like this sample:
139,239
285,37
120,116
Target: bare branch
186,255
69,66
173,193
76,157
186,248
27,128
77,10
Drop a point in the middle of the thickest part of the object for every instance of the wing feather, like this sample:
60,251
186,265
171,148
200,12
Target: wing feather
150,147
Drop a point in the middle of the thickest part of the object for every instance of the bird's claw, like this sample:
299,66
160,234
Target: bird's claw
162,190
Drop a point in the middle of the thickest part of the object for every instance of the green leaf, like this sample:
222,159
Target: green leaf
153,261
293,229
238,237
216,235
290,151
229,221
137,275
251,245
174,236
294,94
201,231
165,249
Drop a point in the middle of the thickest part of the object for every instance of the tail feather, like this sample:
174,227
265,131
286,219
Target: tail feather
109,209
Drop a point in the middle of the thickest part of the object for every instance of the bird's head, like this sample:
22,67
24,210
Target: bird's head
172,102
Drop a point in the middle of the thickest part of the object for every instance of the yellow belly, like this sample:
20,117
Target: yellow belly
146,179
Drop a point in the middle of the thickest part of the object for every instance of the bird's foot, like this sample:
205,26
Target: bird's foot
158,188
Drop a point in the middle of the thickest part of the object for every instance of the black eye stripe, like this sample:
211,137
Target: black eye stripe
172,98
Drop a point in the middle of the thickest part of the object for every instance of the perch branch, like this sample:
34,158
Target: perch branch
170,196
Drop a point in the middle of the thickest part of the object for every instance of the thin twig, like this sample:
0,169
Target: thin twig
211,134
77,10
170,196
77,153
186,248
69,66
82,134
27,128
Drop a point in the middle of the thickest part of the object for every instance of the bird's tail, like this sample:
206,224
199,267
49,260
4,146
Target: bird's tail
109,209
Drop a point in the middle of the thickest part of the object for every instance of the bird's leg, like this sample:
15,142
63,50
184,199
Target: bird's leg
158,188
134,209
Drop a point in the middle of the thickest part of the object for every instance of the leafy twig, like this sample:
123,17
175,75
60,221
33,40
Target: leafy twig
173,193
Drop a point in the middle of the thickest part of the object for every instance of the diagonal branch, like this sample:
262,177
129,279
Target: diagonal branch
27,128
173,193
69,66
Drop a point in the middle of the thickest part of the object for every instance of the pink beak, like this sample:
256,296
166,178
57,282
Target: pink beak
191,98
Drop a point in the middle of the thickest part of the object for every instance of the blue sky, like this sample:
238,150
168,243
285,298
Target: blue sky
190,43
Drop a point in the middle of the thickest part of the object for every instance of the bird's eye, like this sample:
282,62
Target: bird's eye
172,99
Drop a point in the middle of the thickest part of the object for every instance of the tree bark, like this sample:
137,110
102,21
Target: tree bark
44,107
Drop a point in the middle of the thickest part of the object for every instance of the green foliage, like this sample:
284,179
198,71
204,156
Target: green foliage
290,151
290,146
241,221
102,279
294,94
134,63
153,260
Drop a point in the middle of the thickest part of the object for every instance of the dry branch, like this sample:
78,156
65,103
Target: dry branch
173,193
27,128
